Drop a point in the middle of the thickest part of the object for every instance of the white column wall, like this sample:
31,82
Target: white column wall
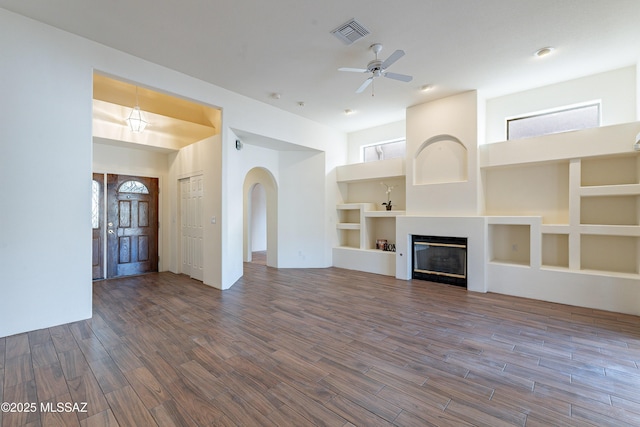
455,116
45,178
237,165
301,189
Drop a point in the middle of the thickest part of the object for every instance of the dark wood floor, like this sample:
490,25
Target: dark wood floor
324,347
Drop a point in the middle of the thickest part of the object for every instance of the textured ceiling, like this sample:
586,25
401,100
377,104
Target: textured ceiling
257,48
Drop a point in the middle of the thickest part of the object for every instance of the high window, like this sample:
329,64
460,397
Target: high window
559,120
384,150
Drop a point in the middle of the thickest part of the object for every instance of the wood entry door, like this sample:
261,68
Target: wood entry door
132,225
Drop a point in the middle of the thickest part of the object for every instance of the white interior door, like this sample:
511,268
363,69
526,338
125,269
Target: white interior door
191,222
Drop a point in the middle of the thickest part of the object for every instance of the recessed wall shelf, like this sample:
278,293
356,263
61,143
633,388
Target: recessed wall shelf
587,194
361,224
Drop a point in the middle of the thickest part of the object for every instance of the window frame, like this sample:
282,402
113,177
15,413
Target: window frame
565,108
380,143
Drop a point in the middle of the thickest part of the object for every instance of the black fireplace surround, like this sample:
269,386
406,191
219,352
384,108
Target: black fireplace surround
440,259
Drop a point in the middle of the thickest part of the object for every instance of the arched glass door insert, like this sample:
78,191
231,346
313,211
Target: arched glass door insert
132,186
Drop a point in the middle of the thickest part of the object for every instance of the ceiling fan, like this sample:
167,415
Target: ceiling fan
378,67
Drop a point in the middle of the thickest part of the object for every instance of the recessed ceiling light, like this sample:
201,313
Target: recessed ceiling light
300,103
544,51
426,88
348,112
275,95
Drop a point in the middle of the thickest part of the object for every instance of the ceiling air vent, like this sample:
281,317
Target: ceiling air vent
350,32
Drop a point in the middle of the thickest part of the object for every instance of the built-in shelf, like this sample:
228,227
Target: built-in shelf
618,254
369,260
361,223
555,228
348,226
610,190
371,171
610,171
385,213
555,250
609,210
587,195
565,203
611,274
510,243
611,230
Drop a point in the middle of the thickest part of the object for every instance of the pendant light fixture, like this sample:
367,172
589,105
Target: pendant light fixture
136,120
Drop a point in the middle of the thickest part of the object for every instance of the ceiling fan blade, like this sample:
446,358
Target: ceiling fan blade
396,76
364,85
353,70
393,58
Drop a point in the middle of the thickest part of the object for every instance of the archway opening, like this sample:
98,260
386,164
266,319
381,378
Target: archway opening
258,224
260,218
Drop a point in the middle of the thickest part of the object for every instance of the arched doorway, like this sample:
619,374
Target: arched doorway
258,224
260,195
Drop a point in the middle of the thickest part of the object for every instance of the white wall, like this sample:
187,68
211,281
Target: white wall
616,89
45,178
382,133
46,139
637,91
301,209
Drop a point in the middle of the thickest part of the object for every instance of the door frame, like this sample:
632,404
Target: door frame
198,273
103,206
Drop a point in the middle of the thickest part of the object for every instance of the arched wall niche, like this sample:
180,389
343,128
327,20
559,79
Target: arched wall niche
265,178
440,159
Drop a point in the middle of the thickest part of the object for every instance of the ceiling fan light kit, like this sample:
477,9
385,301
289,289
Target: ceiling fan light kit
378,67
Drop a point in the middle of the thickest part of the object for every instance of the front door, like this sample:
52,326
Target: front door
132,225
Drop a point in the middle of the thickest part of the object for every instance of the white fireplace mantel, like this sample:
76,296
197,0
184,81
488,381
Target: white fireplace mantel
472,228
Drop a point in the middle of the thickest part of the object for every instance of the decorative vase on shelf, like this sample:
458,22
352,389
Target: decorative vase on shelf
388,192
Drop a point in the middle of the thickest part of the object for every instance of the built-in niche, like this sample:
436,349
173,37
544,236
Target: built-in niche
440,159
510,243
617,254
555,250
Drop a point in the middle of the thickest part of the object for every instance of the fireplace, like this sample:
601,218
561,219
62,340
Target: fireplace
440,259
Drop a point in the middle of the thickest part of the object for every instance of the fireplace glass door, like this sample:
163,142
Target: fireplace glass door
440,259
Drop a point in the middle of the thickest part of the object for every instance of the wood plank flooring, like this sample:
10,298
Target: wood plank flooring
327,347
